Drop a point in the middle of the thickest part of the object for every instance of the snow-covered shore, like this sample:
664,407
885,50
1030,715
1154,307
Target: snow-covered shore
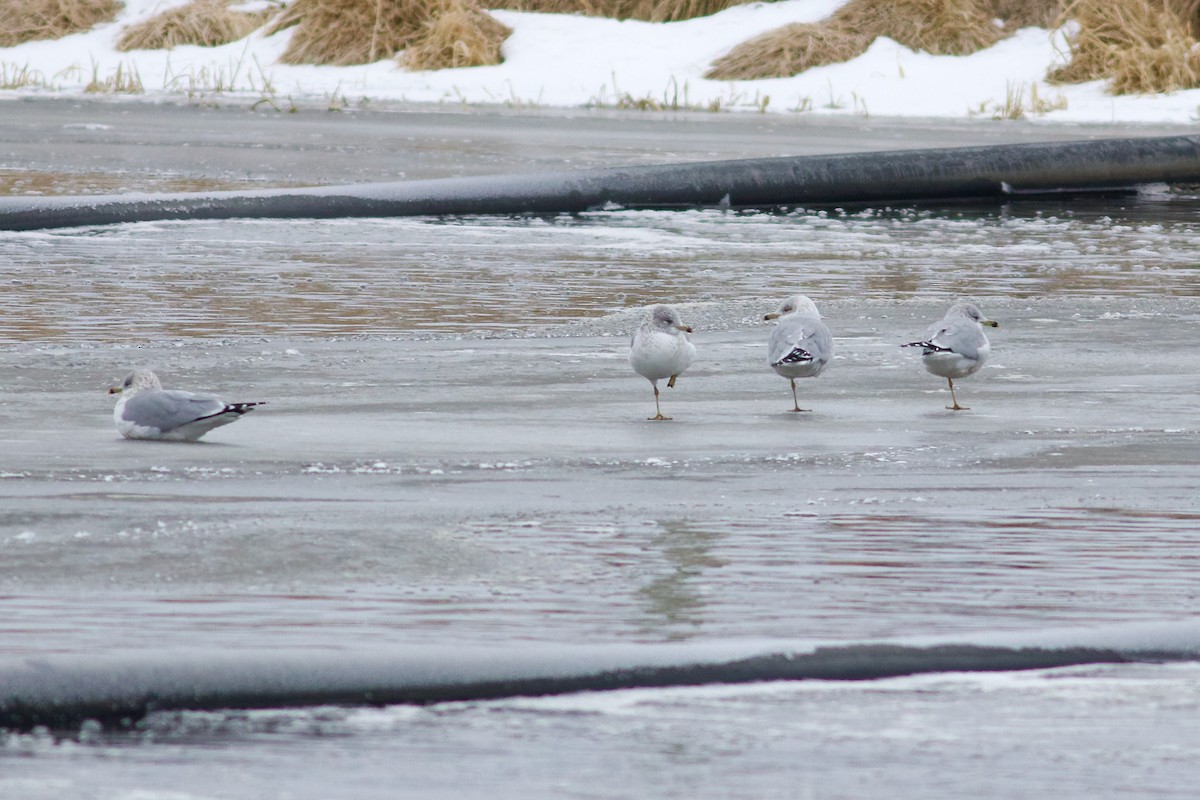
573,61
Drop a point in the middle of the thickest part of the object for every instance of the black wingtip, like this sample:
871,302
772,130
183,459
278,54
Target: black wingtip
242,408
930,347
798,356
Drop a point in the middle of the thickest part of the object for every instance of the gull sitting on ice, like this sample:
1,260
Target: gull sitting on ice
800,344
145,410
956,347
660,349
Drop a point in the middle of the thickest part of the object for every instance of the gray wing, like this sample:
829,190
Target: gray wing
167,409
958,335
798,338
641,330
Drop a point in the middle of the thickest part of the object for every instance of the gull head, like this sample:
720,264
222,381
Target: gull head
797,304
972,312
667,319
136,381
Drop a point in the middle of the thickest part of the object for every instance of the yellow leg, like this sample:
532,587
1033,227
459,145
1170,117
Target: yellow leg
956,406
658,411
795,402
671,383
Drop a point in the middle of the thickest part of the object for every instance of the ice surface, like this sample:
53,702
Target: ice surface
463,461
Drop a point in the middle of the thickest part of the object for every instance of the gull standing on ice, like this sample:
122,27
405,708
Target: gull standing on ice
660,349
800,344
145,410
956,347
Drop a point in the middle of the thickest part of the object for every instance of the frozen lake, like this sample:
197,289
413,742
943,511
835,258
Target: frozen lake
455,452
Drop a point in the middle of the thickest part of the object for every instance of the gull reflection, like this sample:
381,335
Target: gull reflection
675,601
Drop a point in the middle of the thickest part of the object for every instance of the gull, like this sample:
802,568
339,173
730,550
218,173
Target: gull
800,344
145,410
660,349
956,347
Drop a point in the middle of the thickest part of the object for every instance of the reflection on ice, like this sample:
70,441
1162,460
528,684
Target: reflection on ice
823,573
314,278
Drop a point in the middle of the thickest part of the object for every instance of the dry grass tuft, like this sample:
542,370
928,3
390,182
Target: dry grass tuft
433,34
789,50
1137,45
351,31
1018,14
646,10
1020,101
676,10
31,20
123,80
207,23
15,76
461,35
941,27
